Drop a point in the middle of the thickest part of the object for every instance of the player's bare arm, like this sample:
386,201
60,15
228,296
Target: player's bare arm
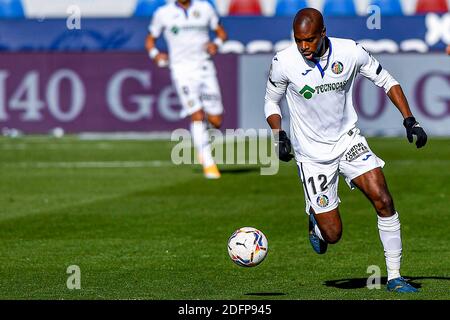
221,36
160,58
274,122
398,98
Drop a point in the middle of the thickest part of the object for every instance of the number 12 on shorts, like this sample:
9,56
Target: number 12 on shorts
322,179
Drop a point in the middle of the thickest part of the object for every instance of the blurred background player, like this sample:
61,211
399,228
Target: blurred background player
317,74
186,25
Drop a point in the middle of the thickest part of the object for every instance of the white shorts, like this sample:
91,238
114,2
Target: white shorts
320,179
199,90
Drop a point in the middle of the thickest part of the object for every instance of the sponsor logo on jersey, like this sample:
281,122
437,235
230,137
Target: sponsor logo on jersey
337,86
176,29
307,92
322,201
337,67
306,72
195,28
356,151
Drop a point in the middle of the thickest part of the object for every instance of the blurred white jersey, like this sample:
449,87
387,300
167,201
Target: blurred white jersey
319,95
186,33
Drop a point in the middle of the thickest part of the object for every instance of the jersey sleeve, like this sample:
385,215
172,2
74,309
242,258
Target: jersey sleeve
213,17
275,88
370,68
156,25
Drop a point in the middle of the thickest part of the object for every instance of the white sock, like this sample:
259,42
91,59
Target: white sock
317,232
200,138
389,229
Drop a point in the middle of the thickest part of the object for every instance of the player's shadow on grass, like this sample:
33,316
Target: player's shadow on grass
234,170
265,294
359,283
238,170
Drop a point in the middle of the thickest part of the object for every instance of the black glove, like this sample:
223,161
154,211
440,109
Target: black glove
283,146
414,128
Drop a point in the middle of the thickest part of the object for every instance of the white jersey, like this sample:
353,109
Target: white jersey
319,96
186,32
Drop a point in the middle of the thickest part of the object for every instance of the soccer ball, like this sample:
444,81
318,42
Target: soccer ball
247,247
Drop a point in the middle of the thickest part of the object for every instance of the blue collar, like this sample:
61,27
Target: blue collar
184,10
317,62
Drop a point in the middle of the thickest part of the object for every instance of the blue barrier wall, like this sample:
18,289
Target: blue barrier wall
129,34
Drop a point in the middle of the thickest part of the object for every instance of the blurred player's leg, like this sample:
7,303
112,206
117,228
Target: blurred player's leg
210,95
188,89
211,101
215,120
200,137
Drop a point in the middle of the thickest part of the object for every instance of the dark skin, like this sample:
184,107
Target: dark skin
211,48
310,36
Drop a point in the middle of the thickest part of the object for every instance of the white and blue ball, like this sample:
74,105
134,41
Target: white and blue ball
247,247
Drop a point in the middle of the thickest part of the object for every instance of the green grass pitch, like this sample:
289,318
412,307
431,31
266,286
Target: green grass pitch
159,231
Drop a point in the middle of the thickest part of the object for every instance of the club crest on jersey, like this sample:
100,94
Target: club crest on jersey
196,14
322,201
337,67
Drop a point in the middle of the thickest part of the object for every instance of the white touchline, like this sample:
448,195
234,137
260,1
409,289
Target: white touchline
92,164
55,146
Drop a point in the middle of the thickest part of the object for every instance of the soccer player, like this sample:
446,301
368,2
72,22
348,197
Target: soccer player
316,73
186,25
